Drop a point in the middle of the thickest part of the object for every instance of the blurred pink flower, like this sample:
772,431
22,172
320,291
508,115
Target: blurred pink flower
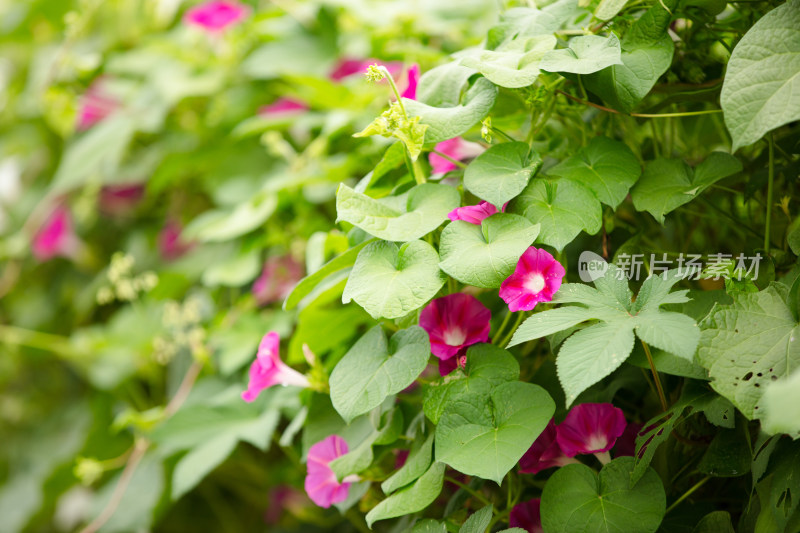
349,66
454,322
217,15
96,104
544,453
283,106
412,77
281,499
268,369
321,484
456,148
120,199
590,428
169,241
56,237
474,214
535,279
526,515
277,280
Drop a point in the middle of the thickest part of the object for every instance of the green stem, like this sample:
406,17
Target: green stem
36,339
456,162
394,90
517,322
414,168
770,185
507,137
656,379
478,496
687,494
502,328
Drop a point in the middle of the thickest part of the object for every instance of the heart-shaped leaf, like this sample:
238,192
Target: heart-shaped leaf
501,172
374,369
576,498
485,255
586,54
390,281
487,439
420,211
514,64
411,499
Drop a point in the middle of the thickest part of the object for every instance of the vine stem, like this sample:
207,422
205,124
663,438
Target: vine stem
139,448
478,496
770,185
502,328
687,494
456,162
652,364
517,322
640,115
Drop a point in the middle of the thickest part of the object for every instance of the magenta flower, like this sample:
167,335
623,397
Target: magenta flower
349,66
412,76
446,366
474,214
526,516
590,428
277,280
56,237
268,369
321,484
454,322
217,15
626,443
456,148
96,104
283,106
170,243
544,453
120,199
535,279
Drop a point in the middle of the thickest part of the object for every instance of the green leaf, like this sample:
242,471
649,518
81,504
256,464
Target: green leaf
478,522
552,321
424,208
374,369
487,439
308,283
95,156
667,184
521,22
488,366
233,271
747,345
586,54
782,406
442,86
715,522
356,460
562,207
501,172
199,462
419,459
428,525
390,281
448,122
485,255
514,64
760,91
576,498
728,455
607,167
608,9
410,499
224,224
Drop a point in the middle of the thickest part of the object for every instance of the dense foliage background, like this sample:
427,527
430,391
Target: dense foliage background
168,175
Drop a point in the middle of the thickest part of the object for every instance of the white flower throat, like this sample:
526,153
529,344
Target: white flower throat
535,283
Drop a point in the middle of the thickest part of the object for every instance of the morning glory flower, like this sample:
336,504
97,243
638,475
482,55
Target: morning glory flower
268,369
544,453
170,243
96,104
591,428
277,280
456,148
283,106
412,77
474,214
56,237
526,515
217,15
321,483
454,322
535,279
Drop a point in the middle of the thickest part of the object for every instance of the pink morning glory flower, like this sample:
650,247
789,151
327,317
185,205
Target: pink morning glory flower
321,484
268,369
474,214
277,280
544,453
120,199
535,279
456,148
217,15
96,104
626,443
591,428
446,366
349,66
526,516
283,106
56,237
454,322
170,243
412,77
